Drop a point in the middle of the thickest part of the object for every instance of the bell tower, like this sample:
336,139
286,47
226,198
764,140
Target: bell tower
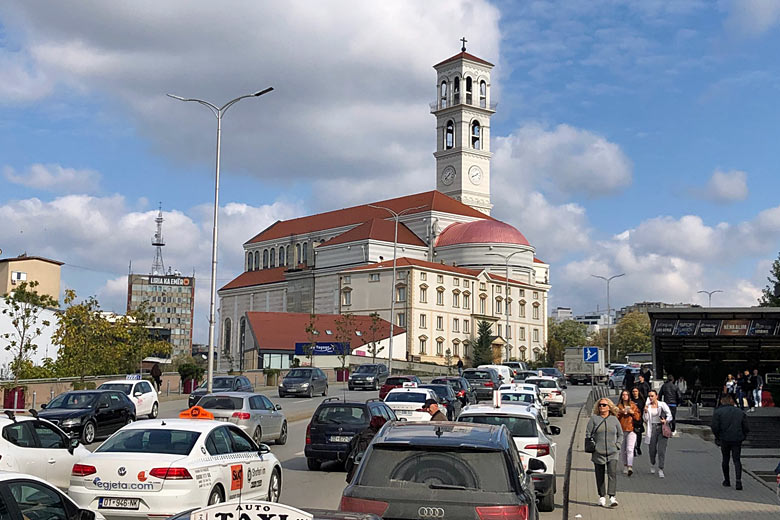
463,110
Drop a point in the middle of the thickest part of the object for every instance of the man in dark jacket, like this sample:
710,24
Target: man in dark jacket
643,386
729,425
359,443
671,395
628,379
432,407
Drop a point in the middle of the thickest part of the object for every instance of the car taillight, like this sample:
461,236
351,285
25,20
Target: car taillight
542,450
308,434
489,384
361,505
241,415
461,393
171,473
556,392
503,512
82,470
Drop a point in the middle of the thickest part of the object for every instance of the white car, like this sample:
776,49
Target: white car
553,394
141,393
161,467
504,372
407,402
531,438
38,447
33,498
524,394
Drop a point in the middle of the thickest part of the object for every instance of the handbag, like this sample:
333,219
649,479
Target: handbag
666,430
590,442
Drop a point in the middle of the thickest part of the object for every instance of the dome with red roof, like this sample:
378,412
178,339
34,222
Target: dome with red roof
481,232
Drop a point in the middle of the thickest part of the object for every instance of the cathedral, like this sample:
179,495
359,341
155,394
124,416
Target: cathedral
455,264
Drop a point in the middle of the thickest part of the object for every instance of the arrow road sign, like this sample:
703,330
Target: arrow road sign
590,354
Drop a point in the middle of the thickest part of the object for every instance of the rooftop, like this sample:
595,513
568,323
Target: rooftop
24,257
377,229
413,262
463,55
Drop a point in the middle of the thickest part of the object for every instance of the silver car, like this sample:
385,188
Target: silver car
253,413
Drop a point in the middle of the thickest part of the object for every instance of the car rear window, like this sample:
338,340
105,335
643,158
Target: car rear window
518,398
341,414
366,369
453,383
398,381
299,373
549,371
172,442
542,383
435,469
221,402
119,387
477,375
406,397
518,426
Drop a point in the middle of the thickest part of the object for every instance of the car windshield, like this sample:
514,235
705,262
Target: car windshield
172,442
220,383
518,398
397,381
518,426
406,397
221,402
441,390
366,369
298,373
549,371
453,383
477,374
410,468
125,388
73,401
542,383
341,414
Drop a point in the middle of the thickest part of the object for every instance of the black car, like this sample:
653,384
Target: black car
333,425
446,470
89,413
484,382
447,397
304,381
461,386
368,376
554,372
221,384
522,375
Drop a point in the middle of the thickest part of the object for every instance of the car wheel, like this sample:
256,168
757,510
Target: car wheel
351,388
281,395
564,411
216,496
325,392
312,464
275,486
129,419
88,433
611,385
310,393
155,411
547,502
257,435
283,434
376,385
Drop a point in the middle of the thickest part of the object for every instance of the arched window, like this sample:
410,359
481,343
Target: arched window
456,91
476,134
273,257
468,90
305,252
249,261
265,258
297,259
257,260
449,135
226,331
282,256
483,94
443,95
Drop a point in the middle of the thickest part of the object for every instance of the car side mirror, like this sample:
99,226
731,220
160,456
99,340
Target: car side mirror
358,458
536,466
73,444
86,514
263,449
43,406
278,407
555,430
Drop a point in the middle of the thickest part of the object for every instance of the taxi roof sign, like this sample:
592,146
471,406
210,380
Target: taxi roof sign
251,509
410,384
196,412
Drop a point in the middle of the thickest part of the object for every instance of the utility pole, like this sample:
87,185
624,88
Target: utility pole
609,314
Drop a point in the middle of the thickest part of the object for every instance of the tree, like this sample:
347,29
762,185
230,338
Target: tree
483,353
632,334
373,336
345,329
83,334
311,336
562,335
24,306
771,293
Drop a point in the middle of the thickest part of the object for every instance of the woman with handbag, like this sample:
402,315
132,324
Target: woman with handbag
658,418
627,414
603,437
639,426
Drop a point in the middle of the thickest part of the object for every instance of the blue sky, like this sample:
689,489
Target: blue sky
635,137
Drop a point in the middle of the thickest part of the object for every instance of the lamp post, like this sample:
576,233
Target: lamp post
709,295
396,216
609,313
218,113
506,294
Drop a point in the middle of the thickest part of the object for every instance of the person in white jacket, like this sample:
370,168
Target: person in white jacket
656,415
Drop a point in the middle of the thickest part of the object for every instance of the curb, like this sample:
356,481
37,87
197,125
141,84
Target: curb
770,487
567,473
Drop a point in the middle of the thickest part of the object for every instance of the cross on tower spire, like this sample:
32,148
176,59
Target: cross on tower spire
464,40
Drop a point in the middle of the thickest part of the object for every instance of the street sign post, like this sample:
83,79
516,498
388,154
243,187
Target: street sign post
591,355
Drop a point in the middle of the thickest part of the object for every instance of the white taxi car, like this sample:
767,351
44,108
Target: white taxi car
38,447
158,468
524,394
531,438
553,394
141,393
407,402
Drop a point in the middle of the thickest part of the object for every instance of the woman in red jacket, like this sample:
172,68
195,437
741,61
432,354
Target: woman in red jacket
627,414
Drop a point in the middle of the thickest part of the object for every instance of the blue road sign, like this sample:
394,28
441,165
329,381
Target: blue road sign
590,354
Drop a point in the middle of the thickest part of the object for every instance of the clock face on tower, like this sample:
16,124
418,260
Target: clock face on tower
475,175
448,175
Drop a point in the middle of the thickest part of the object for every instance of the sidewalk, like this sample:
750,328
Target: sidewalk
691,490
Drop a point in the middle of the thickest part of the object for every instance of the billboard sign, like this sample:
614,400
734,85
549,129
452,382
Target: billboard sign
734,327
664,327
323,348
686,327
708,328
762,328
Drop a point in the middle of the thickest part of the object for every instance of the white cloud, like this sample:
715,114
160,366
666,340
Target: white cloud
752,17
726,187
21,81
55,178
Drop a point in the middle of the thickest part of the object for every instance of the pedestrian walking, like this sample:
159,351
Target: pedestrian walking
730,427
657,417
604,435
643,386
682,384
739,390
628,414
156,374
670,394
359,443
628,379
648,375
758,388
748,389
731,385
432,407
460,367
639,426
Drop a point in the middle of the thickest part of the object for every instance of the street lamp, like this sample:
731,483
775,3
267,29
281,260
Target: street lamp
506,295
609,313
396,216
709,295
218,113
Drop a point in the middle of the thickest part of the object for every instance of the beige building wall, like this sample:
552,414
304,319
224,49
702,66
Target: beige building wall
46,272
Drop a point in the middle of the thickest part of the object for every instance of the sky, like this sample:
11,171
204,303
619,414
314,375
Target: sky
630,137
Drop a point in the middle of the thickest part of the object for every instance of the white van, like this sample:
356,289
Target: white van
504,371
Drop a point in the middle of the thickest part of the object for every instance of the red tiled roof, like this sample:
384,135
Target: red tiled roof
377,229
503,279
466,56
250,278
413,262
480,232
281,330
430,201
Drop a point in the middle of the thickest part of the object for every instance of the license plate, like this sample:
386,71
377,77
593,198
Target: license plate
118,503
223,419
403,412
340,438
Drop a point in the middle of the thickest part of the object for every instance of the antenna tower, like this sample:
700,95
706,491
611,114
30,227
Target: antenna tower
158,267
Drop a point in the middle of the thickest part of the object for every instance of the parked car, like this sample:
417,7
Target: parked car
396,382
461,386
141,393
89,414
554,372
504,373
333,425
253,413
527,394
36,446
439,470
368,376
522,375
619,375
516,366
554,395
447,399
304,381
29,497
484,382
221,384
